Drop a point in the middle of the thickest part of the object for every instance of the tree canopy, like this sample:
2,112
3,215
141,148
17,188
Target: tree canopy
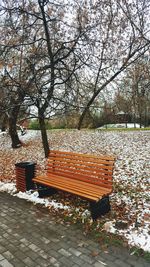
60,56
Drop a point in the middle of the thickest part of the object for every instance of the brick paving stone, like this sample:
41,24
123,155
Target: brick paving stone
34,247
65,262
5,263
139,265
6,235
100,258
12,248
17,263
75,252
85,250
57,264
54,253
141,262
8,255
119,263
1,257
56,246
2,248
23,249
14,241
42,262
43,254
29,262
77,260
37,240
72,244
64,252
87,259
32,255
20,255
98,264
125,254
63,244
55,240
45,240
25,241
109,257
4,243
112,264
87,265
52,260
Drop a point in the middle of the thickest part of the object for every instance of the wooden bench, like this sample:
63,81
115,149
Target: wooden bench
87,176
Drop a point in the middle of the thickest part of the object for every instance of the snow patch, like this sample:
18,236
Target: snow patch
8,187
31,196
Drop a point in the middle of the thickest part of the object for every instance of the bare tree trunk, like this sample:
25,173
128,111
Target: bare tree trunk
146,116
84,113
135,120
13,128
44,134
140,120
4,123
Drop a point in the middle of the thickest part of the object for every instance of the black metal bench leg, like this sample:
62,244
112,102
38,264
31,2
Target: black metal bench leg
46,191
100,208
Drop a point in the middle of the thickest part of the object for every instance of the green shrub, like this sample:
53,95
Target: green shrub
34,125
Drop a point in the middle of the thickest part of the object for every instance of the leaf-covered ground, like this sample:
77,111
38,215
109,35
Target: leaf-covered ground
130,201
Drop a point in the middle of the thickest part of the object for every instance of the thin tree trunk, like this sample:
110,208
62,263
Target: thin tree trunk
140,120
146,116
44,134
4,123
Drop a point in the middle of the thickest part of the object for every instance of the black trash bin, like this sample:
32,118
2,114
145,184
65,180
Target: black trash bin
25,171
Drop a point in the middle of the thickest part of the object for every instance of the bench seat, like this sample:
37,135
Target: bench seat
77,187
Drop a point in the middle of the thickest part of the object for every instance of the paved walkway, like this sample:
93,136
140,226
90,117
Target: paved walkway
30,237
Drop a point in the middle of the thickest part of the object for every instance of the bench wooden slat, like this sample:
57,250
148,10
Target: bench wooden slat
82,161
91,168
76,172
87,171
83,167
74,154
79,163
87,179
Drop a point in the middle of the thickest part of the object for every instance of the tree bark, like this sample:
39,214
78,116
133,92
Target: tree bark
4,123
13,128
44,134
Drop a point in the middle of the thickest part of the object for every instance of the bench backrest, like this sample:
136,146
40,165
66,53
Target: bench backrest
93,169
